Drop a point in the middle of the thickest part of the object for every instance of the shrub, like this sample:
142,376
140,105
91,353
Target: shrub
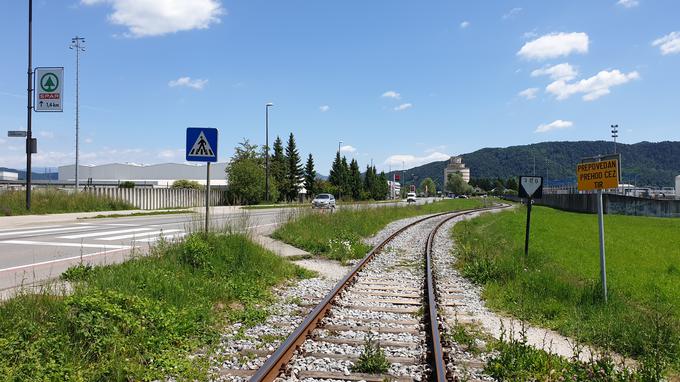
183,183
126,184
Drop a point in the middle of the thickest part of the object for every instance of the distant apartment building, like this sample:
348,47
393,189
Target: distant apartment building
456,165
394,189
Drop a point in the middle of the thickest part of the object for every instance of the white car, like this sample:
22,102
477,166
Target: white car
324,201
411,197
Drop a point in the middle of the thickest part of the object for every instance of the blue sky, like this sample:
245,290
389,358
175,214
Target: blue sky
396,81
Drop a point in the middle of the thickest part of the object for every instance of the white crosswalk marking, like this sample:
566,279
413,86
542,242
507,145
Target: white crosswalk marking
58,244
102,233
166,237
37,231
137,235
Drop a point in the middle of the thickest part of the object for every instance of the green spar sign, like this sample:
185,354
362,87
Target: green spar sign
49,82
49,89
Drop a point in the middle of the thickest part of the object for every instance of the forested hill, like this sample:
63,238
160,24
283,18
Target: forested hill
654,164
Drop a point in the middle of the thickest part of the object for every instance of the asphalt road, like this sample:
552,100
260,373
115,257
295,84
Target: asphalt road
42,251
36,252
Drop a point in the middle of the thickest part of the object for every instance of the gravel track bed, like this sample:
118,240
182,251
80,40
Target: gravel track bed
401,263
468,294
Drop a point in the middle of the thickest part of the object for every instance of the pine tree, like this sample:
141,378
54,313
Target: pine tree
294,169
345,188
278,166
369,181
382,188
355,183
335,176
310,176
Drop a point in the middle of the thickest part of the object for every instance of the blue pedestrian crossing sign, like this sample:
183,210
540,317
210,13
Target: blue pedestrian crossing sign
201,144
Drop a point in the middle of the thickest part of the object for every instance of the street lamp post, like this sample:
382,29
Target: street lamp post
615,134
266,151
339,144
29,136
77,43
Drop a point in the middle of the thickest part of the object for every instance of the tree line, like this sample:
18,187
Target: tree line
246,173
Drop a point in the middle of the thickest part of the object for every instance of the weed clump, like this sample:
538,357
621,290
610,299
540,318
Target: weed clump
196,253
372,359
78,272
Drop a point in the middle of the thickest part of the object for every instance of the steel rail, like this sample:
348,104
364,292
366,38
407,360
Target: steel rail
275,364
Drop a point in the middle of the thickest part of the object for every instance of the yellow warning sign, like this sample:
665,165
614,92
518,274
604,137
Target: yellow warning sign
599,175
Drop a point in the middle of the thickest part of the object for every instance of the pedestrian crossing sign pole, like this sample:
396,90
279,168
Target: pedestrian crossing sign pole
202,147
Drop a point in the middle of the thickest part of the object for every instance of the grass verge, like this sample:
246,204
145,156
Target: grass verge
558,284
338,235
53,201
142,319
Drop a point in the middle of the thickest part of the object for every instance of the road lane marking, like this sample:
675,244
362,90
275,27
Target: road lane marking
141,234
62,260
166,237
102,233
24,228
57,244
35,231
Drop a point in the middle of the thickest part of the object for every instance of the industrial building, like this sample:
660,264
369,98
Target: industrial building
456,165
155,175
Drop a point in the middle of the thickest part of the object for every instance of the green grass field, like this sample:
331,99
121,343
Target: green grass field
338,235
558,284
53,201
140,320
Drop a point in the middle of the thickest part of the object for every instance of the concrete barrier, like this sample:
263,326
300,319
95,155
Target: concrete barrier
158,198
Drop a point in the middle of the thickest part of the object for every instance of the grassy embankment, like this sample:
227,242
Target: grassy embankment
140,320
52,201
558,284
338,235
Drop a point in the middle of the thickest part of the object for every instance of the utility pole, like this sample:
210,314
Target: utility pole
29,90
266,151
77,43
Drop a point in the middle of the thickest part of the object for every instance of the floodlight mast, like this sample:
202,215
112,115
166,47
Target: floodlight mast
77,44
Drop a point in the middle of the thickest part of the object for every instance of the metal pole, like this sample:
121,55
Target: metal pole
266,154
76,45
526,239
29,135
207,198
603,265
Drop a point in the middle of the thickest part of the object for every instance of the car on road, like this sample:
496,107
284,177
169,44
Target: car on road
411,197
324,201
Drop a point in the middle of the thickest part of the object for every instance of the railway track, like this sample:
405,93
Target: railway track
391,294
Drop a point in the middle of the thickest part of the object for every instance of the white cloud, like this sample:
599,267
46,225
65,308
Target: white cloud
628,3
593,87
348,149
88,140
414,161
403,106
145,18
669,44
391,94
171,154
197,84
554,125
529,93
464,24
562,71
555,45
513,12
435,149
46,134
324,108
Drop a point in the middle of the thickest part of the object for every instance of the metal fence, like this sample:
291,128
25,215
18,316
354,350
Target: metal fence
159,198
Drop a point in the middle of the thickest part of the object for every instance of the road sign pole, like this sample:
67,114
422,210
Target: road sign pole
207,199
526,239
603,266
29,136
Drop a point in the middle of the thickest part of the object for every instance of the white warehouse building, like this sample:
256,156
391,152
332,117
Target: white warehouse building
155,175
